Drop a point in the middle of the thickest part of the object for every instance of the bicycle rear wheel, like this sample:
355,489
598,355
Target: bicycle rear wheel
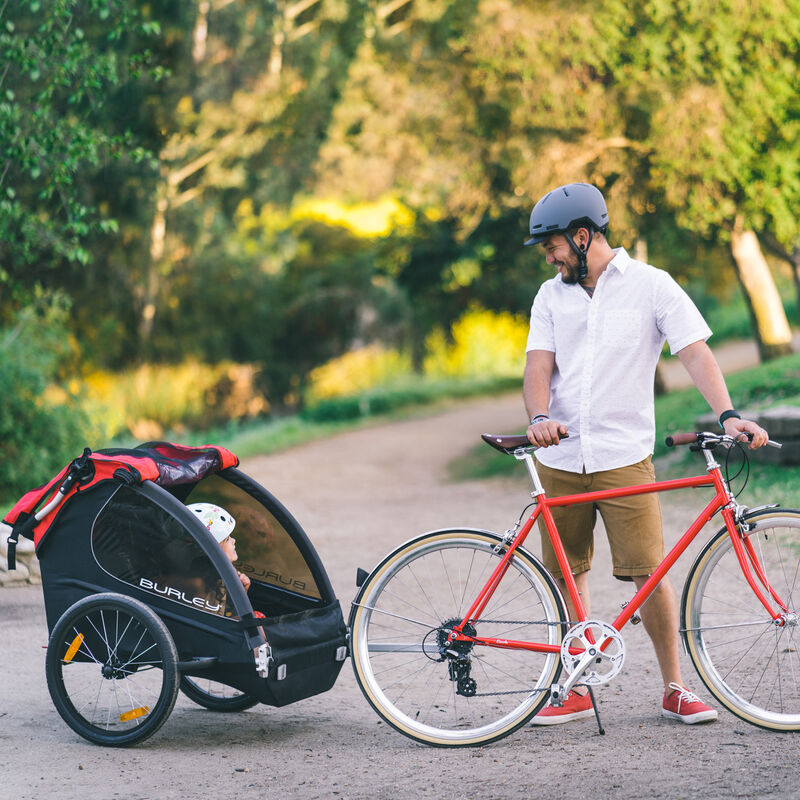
461,694
747,662
112,670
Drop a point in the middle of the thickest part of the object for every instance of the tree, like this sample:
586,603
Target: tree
714,87
61,60
251,106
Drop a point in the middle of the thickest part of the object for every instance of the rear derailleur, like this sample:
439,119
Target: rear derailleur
459,664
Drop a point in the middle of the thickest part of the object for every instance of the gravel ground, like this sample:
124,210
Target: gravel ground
359,495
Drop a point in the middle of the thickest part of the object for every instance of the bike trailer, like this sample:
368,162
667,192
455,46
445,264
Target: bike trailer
116,523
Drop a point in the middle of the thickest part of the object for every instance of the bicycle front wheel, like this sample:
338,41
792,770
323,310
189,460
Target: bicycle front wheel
460,694
750,664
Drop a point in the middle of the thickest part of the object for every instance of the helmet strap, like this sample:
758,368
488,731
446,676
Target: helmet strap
583,269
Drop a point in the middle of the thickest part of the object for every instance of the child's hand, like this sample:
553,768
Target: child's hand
244,579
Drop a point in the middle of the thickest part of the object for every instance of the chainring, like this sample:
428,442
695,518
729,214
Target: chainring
598,639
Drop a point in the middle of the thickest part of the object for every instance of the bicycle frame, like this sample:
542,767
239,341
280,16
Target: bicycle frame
723,501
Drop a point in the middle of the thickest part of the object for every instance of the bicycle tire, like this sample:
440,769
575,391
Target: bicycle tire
747,662
215,696
112,670
399,624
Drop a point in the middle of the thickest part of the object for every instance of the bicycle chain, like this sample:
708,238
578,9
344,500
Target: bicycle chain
521,622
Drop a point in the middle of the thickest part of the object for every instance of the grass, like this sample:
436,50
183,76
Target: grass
729,318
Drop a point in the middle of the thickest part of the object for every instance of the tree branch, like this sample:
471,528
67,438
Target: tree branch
777,249
176,178
298,8
389,9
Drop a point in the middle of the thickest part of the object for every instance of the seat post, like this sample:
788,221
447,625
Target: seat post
524,454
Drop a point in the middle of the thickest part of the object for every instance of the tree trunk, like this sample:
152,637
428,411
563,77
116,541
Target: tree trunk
200,33
770,326
150,288
793,258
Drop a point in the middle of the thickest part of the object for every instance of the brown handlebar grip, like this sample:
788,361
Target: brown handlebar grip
680,438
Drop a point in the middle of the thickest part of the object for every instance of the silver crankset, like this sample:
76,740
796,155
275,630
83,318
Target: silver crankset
596,648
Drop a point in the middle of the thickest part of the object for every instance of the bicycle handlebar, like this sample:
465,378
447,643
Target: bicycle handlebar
680,438
708,439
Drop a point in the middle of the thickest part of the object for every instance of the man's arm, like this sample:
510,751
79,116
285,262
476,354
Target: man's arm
536,393
701,365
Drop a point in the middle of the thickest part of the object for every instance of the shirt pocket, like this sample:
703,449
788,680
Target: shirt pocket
622,330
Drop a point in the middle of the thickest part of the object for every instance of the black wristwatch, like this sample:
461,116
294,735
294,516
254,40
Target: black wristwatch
731,413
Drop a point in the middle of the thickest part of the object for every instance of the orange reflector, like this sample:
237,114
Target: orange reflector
73,648
134,714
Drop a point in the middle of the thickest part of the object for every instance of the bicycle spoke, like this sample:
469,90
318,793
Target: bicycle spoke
454,691
748,660
125,695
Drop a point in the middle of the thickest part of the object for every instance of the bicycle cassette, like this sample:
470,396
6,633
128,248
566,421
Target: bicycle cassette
598,647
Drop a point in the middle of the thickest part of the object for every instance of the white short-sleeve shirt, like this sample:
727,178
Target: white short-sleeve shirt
606,351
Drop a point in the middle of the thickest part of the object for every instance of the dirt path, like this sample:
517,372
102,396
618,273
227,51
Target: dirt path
358,495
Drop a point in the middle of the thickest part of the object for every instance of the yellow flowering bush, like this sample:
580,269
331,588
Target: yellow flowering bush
152,399
482,343
357,371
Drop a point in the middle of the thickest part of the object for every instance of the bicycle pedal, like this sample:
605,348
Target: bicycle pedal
635,619
557,695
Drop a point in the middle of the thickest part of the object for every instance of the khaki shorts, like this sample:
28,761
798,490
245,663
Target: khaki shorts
633,524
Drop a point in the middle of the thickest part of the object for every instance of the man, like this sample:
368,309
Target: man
597,329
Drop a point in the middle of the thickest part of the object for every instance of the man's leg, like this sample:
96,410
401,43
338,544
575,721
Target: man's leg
576,705
660,618
582,582
576,530
633,525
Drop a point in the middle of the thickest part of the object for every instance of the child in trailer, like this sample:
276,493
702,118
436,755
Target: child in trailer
220,525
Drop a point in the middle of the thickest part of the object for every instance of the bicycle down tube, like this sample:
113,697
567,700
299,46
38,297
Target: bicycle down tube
722,500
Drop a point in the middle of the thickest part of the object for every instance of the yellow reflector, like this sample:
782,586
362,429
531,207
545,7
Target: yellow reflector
134,714
73,648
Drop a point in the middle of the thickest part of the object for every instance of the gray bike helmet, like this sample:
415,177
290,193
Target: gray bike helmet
569,206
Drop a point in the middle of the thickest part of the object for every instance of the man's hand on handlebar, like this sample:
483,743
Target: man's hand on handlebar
741,428
546,432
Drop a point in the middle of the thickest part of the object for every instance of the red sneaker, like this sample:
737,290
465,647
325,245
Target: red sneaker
686,707
576,706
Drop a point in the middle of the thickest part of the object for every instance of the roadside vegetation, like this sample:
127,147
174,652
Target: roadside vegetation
250,221
767,385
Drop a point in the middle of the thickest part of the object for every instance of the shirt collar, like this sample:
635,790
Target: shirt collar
620,261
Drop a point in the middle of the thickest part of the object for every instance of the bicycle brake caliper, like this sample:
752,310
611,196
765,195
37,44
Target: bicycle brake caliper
508,539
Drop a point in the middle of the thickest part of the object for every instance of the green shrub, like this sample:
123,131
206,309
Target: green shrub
37,436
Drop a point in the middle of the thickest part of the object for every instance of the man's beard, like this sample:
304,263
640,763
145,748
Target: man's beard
571,270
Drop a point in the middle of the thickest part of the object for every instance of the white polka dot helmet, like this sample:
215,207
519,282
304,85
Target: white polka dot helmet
218,521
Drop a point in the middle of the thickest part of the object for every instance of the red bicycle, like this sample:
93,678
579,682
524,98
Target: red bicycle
460,636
